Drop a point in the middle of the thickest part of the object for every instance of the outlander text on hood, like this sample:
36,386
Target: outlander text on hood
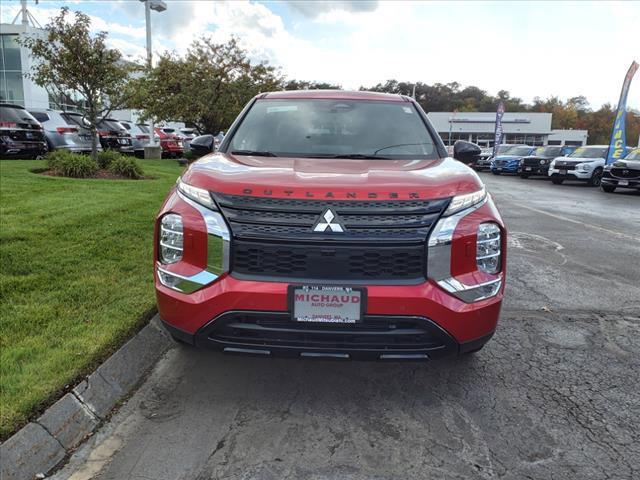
331,224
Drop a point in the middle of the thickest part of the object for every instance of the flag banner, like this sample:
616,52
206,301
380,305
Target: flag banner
497,138
618,143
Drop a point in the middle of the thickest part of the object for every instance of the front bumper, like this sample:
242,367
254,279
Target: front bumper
377,337
23,150
534,170
580,175
620,182
505,168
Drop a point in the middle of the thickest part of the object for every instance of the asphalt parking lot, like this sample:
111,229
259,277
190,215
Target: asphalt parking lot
553,396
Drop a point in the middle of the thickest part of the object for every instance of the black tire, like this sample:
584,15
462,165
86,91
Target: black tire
608,188
495,172
179,341
471,352
596,178
557,181
524,176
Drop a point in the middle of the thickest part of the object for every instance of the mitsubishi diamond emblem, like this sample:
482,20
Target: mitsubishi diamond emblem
328,221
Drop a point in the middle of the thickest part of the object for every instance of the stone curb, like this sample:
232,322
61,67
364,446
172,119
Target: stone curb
41,445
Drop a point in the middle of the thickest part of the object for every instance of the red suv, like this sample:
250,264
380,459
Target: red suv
331,224
170,143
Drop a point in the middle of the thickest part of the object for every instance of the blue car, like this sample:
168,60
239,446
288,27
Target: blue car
510,161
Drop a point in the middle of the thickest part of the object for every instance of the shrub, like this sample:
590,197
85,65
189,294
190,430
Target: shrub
70,164
126,167
106,157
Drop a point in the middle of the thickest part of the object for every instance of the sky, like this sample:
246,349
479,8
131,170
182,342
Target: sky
528,48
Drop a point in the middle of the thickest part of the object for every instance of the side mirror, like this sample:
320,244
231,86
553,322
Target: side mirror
202,145
466,152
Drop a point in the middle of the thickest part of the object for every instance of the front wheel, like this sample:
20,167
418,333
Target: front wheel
608,188
557,181
495,172
596,178
524,175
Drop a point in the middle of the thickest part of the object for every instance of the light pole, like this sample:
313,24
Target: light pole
158,6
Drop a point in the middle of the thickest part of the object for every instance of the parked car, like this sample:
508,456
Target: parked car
21,135
113,136
170,143
538,162
486,156
188,134
510,161
139,136
623,173
64,130
334,243
585,164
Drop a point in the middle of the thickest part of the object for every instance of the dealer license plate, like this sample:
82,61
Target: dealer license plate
528,169
123,141
623,182
327,304
563,172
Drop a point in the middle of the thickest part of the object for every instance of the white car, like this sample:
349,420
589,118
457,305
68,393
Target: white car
585,164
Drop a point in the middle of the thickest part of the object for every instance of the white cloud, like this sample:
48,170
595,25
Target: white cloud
313,8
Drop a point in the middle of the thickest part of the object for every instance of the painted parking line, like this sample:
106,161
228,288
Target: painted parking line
584,224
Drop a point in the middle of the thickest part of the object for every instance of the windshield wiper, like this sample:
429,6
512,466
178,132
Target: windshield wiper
255,153
357,156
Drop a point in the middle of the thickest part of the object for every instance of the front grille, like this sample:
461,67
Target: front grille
565,166
278,330
330,262
625,173
382,239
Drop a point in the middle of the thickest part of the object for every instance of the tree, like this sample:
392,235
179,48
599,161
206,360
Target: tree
70,59
206,88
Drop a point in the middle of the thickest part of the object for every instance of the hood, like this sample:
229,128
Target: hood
630,164
319,178
508,158
539,157
572,160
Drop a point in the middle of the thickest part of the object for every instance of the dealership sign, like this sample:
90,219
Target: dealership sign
618,143
497,139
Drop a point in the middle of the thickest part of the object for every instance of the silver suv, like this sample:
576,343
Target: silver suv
64,130
139,136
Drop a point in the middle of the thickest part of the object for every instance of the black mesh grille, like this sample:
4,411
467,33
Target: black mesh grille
625,173
382,240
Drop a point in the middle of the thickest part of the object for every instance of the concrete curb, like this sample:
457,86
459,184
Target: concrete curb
41,445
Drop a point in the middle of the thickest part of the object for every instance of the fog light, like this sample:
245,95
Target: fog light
171,235
488,248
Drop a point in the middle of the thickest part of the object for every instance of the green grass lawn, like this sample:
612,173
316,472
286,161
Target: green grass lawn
76,277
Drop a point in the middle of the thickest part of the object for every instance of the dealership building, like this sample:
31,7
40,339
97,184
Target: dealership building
531,128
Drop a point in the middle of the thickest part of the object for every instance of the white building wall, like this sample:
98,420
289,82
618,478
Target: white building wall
568,137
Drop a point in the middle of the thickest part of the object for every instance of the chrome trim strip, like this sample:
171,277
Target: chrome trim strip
468,293
162,244
214,220
187,284
489,256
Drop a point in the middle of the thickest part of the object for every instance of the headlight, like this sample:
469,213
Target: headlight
460,202
171,235
542,162
200,195
552,165
488,249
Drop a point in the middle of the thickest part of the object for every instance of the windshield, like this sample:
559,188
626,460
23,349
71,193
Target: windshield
548,151
333,128
590,152
502,149
519,151
633,155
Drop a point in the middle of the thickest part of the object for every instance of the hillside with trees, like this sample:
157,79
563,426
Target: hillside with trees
574,113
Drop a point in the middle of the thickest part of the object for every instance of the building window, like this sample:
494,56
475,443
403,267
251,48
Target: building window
554,142
11,85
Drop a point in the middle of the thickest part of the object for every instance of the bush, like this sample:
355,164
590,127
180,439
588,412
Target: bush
106,157
70,164
126,167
